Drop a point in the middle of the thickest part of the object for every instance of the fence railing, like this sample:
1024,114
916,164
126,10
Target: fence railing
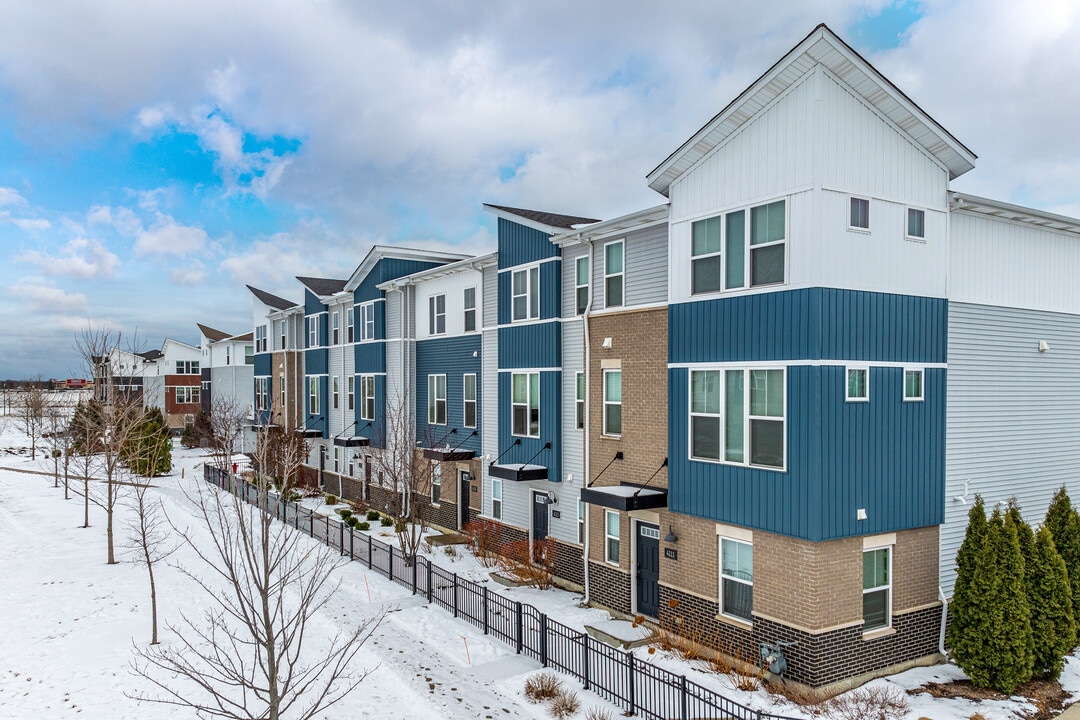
641,688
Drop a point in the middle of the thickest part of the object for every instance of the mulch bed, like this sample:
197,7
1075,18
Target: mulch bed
1047,696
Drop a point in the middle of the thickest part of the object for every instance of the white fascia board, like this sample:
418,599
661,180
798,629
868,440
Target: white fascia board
638,220
1008,211
477,263
378,252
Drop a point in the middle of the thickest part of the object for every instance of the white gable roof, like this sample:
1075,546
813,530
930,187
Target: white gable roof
823,47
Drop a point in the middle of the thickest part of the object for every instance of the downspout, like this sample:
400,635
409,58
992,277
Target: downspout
944,619
585,449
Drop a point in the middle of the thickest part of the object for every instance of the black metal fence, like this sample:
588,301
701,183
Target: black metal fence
641,688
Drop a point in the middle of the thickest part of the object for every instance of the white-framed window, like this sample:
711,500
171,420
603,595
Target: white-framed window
581,284
736,578
525,404
614,273
579,402
877,588
188,395
611,537
738,416
335,327
916,224
350,391
496,498
313,396
337,459
187,367
262,395
580,521
335,392
469,403
525,294
436,399
859,214
313,331
858,384
720,247
350,325
284,335
249,355
436,482
470,309
437,314
281,388
260,338
367,397
913,384
228,355
367,321
613,402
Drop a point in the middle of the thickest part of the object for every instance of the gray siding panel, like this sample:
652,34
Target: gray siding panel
647,266
1013,414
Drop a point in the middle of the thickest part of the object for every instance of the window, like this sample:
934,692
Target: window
436,482
367,321
525,404
337,459
525,294
877,588
719,247
335,392
581,286
284,335
611,536
262,395
580,522
436,403
767,237
858,384
313,396
281,384
496,498
335,329
580,402
736,578
313,331
913,385
350,392
260,339
228,355
916,224
859,218
367,397
249,355
613,274
705,254
437,315
613,402
187,395
186,367
469,393
740,421
470,309
350,325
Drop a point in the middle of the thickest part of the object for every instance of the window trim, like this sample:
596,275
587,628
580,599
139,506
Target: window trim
284,335
191,393
707,255
335,328
621,274
350,392
579,308
262,397
530,291
466,401
367,321
579,400
469,310
436,317
922,384
496,510
848,397
749,542
528,403
350,325
367,381
433,399
747,247
607,403
609,538
888,588
313,331
907,224
314,405
851,211
747,417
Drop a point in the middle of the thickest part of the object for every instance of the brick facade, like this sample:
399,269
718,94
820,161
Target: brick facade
609,587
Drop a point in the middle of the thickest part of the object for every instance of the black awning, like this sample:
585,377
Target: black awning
309,433
354,441
262,427
518,472
626,497
447,455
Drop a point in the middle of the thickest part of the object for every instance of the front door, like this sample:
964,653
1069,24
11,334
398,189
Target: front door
539,515
464,493
648,569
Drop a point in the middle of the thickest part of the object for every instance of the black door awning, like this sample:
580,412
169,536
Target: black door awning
448,454
518,472
625,497
354,441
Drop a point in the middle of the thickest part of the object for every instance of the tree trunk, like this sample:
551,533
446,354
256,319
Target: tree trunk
109,533
153,601
86,500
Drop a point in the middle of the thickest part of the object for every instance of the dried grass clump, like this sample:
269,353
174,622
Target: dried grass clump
542,686
869,703
595,713
564,704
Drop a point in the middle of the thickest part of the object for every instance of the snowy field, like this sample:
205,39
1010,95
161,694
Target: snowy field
69,622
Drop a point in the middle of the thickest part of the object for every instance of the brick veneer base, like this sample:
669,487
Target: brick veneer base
816,659
609,587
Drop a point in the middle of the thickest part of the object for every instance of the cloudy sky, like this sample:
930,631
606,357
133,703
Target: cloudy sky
154,157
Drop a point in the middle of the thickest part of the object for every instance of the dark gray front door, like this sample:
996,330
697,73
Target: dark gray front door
539,516
464,493
648,569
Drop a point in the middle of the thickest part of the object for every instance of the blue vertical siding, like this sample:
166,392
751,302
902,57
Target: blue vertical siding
452,357
519,244
370,357
388,269
550,292
316,361
550,427
538,345
312,304
263,364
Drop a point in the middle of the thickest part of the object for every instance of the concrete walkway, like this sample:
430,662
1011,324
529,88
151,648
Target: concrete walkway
1071,713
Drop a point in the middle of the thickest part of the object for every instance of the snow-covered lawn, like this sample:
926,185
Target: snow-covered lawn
68,623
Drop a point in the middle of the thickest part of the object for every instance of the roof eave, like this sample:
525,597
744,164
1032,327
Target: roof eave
624,224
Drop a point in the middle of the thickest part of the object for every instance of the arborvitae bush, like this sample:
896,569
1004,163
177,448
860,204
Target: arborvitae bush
386,521
1064,525
331,499
966,560
362,525
148,452
1053,624
373,515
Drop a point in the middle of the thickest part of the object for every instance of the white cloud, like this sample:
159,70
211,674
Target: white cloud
80,258
189,273
46,299
11,196
169,237
27,224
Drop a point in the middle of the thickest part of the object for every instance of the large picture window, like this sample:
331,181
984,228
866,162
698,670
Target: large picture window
525,294
736,578
469,395
728,253
614,273
436,399
738,416
877,588
613,402
525,404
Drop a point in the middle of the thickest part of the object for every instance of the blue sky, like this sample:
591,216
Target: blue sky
153,161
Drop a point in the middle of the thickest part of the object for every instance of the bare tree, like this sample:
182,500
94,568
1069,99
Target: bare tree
245,656
227,418
30,411
149,539
86,438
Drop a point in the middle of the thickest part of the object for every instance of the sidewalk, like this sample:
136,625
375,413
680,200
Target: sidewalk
1071,713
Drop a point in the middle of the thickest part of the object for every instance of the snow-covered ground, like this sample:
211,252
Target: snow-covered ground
69,622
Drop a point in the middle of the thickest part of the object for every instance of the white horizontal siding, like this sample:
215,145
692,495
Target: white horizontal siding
1013,414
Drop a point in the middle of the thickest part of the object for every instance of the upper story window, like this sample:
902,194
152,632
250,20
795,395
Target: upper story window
436,399
525,294
740,421
858,384
916,224
187,367
350,325
367,321
721,246
613,402
284,333
525,404
859,218
260,338
470,309
228,355
313,396
437,315
469,395
350,391
581,284
262,393
249,355
335,329
613,273
580,401
913,385
367,397
313,331
335,391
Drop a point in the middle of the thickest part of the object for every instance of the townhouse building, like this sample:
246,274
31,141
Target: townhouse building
278,366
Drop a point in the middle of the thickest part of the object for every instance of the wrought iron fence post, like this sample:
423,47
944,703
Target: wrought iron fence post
311,523
369,552
341,538
429,592
585,659
543,639
455,596
484,602
683,704
414,575
352,544
390,565
630,689
517,626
